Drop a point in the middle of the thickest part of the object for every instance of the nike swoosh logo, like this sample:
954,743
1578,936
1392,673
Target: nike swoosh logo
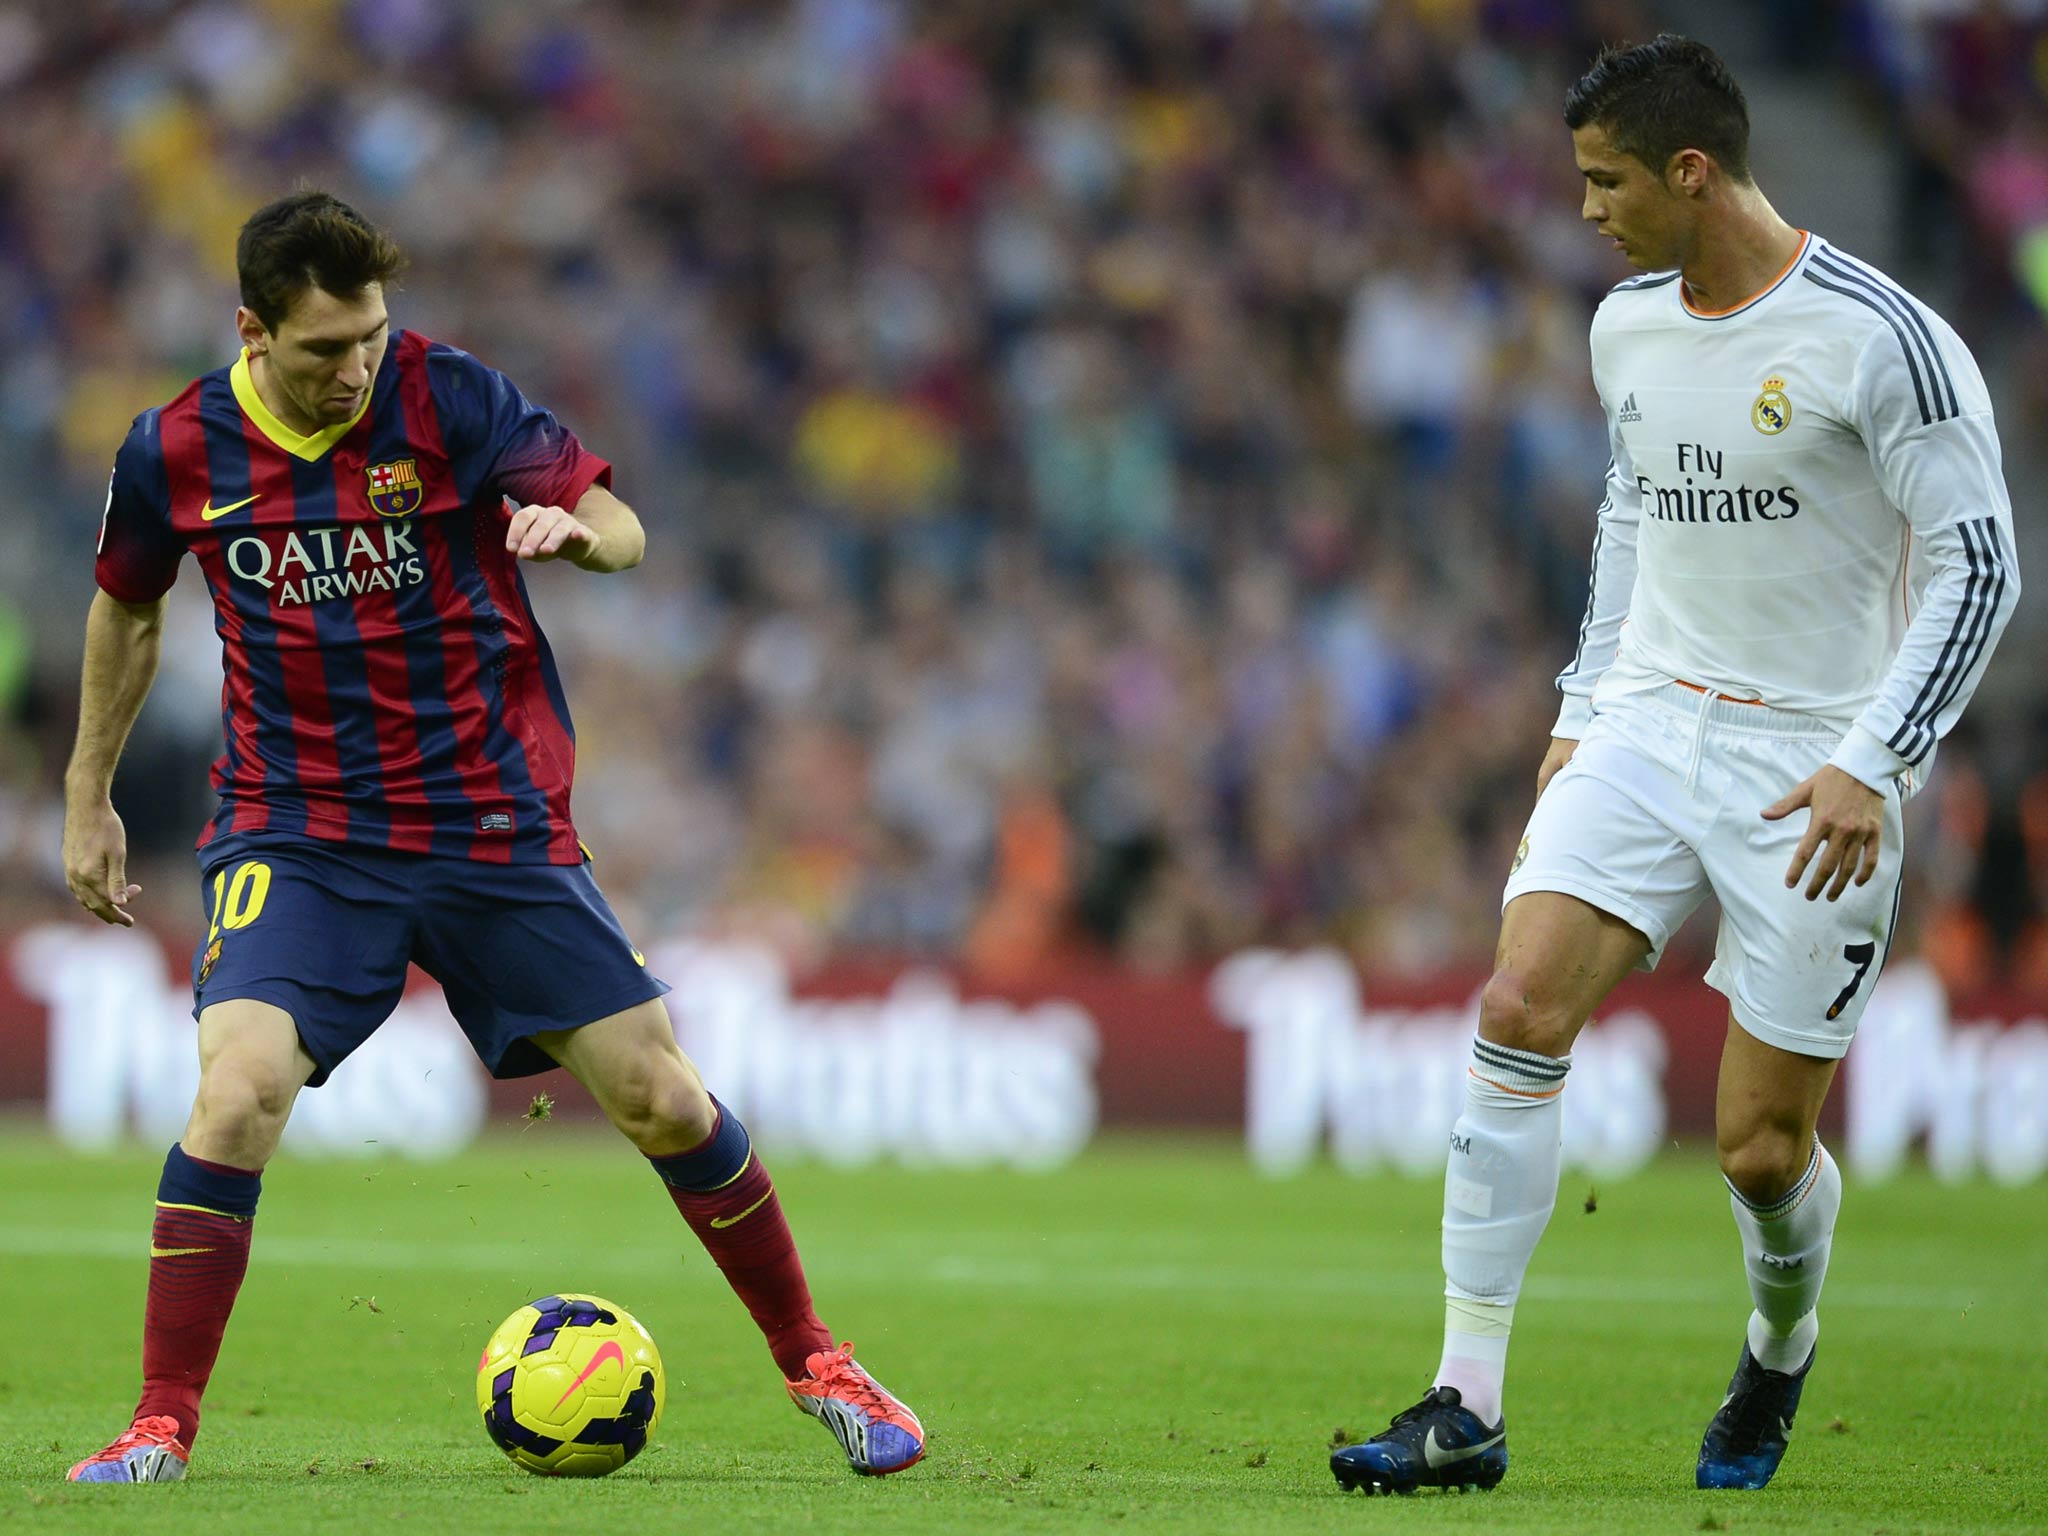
1437,1456
609,1350
176,1253
638,958
722,1222
209,512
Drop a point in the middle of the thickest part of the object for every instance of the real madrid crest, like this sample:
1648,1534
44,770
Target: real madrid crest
395,488
1772,412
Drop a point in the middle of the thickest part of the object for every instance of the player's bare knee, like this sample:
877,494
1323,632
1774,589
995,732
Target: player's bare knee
687,1113
1763,1162
227,1101
240,1111
660,1107
629,1104
1515,1011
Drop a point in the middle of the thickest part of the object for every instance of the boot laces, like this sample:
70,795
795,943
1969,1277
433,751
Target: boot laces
1436,1400
847,1380
160,1429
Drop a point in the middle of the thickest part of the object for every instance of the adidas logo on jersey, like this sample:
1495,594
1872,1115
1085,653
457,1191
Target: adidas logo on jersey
1629,413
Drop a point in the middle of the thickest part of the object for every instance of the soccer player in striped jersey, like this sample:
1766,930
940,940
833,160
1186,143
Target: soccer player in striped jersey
1805,557
394,788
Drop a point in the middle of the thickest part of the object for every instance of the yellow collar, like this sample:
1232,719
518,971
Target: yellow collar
298,444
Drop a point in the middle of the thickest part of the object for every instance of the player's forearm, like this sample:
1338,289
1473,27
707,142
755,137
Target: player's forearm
621,541
122,644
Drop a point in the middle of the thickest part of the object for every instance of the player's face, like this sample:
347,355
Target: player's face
323,356
1630,203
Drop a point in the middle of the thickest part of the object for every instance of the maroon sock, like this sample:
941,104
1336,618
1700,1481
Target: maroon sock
739,1221
198,1253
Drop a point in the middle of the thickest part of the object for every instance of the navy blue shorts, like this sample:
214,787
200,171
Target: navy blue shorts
324,931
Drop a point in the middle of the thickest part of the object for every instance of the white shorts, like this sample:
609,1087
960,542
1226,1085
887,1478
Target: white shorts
1620,827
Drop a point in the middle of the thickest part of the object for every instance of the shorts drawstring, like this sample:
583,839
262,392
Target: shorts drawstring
1699,740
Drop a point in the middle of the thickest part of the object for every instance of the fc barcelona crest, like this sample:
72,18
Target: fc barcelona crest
395,488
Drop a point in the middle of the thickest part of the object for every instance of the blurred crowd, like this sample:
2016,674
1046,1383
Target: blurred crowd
1119,474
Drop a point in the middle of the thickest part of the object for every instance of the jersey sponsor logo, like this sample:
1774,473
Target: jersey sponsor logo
1629,415
314,565
395,488
1771,412
209,512
1712,501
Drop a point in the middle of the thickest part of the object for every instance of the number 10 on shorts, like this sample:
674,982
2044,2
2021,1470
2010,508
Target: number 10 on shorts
238,898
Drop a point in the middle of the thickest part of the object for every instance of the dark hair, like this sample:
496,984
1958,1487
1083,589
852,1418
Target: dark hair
305,240
1662,96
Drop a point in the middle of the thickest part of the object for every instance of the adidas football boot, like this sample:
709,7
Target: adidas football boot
148,1452
878,1433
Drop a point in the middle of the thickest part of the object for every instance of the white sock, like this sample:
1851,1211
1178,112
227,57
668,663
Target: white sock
1785,1249
1499,1188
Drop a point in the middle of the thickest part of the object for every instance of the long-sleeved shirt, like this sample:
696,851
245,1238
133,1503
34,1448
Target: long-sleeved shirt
1805,507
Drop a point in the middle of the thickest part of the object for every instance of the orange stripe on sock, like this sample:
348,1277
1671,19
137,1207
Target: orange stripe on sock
1520,1093
1811,1184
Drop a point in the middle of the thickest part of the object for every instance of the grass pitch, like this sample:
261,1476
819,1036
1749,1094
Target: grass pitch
1153,1340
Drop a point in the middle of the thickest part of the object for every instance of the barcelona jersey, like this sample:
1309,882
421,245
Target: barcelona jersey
386,684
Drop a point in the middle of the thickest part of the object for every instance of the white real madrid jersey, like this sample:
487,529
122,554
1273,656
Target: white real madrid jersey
1805,508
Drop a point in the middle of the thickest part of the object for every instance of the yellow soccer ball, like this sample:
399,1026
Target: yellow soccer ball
570,1386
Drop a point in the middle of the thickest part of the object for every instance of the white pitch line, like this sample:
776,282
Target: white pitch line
1034,1275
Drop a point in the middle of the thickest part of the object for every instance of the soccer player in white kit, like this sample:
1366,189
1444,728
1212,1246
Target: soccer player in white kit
1804,558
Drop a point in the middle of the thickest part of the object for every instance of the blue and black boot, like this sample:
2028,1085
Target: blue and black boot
1439,1443
1747,1439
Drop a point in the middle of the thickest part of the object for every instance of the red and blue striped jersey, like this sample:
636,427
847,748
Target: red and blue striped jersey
386,683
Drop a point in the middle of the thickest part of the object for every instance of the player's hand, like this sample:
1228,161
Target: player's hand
548,533
96,862
1560,753
1848,816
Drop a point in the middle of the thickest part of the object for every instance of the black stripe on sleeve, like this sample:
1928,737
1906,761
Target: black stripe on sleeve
1903,740
1647,280
1903,316
1905,346
1913,316
1901,303
1969,635
1592,587
1980,636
